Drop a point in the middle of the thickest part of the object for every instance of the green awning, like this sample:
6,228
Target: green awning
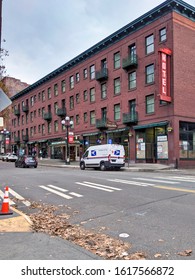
136,127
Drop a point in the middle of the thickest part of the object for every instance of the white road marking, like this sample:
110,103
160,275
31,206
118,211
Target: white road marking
93,187
2,196
130,182
155,180
19,197
76,194
104,186
56,192
57,188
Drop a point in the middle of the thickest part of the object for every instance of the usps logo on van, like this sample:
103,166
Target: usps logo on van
93,153
117,153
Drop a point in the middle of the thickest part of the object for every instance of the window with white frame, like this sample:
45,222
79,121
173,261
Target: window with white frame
117,112
149,44
150,104
149,74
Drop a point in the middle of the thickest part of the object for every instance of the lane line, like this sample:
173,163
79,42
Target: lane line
93,187
56,192
174,189
104,186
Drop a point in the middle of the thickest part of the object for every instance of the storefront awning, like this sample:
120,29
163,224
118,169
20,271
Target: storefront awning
42,141
149,125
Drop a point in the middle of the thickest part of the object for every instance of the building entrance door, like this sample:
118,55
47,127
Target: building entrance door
150,146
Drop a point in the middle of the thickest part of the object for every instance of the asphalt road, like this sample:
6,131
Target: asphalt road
152,211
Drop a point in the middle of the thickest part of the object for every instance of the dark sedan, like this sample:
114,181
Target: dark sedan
26,161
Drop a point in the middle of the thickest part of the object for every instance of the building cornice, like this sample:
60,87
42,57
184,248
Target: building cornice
166,7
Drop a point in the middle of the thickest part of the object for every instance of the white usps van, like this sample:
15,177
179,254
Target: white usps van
108,156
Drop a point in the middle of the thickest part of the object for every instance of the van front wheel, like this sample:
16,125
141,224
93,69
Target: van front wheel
82,166
102,166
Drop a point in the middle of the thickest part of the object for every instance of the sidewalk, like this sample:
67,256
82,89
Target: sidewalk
128,167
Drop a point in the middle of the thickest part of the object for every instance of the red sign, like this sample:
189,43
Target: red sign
165,75
70,138
7,141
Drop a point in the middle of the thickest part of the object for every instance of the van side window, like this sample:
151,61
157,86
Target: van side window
86,154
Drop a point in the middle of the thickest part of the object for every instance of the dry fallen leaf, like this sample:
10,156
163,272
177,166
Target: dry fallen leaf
56,224
185,253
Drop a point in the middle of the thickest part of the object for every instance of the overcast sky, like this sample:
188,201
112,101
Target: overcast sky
42,35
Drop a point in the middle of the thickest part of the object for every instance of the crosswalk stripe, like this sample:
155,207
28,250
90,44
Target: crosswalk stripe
57,188
155,180
182,179
56,192
93,187
104,186
130,182
76,194
19,197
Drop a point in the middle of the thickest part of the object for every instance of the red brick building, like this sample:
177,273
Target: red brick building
136,87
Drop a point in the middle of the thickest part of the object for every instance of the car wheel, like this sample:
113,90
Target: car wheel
35,166
82,166
23,165
102,166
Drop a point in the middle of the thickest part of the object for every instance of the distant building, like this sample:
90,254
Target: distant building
136,87
12,86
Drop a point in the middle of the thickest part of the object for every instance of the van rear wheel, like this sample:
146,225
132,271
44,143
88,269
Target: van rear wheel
82,166
102,166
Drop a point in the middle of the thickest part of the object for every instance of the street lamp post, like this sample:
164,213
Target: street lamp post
4,132
67,123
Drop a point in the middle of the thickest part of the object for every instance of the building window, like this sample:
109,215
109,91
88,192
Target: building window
77,119
39,128
77,77
43,129
103,91
85,95
49,127
132,51
117,86
92,94
56,107
85,73
39,96
77,98
92,117
187,140
56,90
92,72
117,112
63,86
56,126
32,101
31,116
150,104
150,44
22,120
49,93
43,95
150,74
71,102
162,35
117,60
132,80
71,82
85,117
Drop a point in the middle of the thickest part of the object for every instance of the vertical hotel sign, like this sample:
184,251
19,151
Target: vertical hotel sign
165,75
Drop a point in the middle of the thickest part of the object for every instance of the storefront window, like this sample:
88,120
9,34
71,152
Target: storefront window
187,140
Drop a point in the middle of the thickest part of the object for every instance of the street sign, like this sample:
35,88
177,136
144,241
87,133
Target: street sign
4,100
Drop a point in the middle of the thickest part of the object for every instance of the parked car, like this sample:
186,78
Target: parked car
1,156
9,157
26,161
12,157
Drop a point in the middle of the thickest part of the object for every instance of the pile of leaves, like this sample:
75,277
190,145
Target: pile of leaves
49,220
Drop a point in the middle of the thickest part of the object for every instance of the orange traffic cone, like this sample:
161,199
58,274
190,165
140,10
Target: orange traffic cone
5,204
